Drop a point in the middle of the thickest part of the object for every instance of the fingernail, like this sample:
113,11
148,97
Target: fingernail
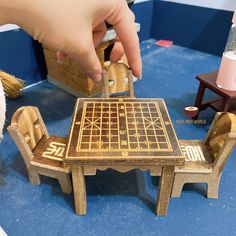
97,78
140,78
98,84
59,61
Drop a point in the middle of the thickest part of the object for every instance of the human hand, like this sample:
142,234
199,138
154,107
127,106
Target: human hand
76,27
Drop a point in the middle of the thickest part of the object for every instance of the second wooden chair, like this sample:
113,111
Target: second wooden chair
42,154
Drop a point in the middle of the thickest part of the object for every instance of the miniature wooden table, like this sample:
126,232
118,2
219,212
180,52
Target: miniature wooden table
227,102
122,134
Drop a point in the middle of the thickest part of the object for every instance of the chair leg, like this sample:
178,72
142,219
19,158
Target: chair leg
34,177
65,183
177,187
213,188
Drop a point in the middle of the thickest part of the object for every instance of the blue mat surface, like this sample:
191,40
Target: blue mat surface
119,204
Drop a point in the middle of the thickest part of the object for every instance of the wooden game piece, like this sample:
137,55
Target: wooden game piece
118,79
42,154
122,134
204,161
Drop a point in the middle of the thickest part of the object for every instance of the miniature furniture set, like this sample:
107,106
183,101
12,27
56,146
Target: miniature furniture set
122,134
227,102
125,133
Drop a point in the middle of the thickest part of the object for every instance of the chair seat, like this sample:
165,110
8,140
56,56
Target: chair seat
50,151
198,157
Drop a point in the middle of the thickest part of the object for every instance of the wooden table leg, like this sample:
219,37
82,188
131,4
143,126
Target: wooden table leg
200,94
165,187
79,188
225,105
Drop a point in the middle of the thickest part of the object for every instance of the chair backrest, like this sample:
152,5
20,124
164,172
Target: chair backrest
221,138
27,129
118,80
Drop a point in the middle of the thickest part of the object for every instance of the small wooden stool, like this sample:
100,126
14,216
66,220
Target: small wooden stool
227,102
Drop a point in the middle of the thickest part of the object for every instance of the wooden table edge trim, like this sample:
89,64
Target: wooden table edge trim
84,161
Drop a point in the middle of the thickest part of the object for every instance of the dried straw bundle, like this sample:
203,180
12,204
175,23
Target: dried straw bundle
11,85
2,111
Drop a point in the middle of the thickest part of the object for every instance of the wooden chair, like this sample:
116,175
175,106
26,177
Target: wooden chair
118,81
205,160
42,154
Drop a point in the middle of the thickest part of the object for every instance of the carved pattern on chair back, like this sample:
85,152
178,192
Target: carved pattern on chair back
219,137
27,120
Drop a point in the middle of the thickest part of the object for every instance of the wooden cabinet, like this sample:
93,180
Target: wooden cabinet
70,76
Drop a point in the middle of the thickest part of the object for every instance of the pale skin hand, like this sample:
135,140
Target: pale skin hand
76,27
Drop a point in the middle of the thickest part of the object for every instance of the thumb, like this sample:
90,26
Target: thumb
84,52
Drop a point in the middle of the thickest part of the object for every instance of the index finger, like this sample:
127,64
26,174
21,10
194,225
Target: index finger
123,21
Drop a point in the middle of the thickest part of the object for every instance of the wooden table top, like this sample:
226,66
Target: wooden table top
209,79
122,131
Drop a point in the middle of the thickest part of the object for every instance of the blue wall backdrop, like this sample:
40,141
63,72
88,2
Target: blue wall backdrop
144,15
21,56
195,27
